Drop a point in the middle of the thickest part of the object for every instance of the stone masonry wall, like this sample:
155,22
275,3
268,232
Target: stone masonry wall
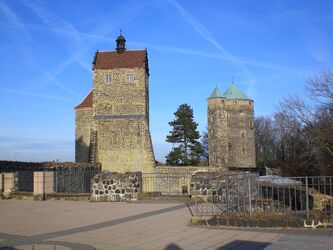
231,133
241,141
110,186
83,121
124,145
120,97
217,133
172,180
120,118
218,187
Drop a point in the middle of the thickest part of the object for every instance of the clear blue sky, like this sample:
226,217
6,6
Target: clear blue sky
270,48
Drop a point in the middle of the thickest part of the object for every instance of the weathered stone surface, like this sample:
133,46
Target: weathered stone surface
219,186
83,120
231,133
119,119
102,188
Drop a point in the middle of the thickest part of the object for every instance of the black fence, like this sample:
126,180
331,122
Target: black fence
73,180
70,180
266,194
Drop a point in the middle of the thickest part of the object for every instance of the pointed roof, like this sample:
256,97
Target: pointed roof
234,93
87,102
216,94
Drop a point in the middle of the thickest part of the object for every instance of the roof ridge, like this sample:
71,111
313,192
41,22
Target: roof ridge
233,92
128,50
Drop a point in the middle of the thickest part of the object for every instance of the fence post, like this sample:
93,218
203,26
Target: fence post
250,203
196,200
1,182
307,197
227,195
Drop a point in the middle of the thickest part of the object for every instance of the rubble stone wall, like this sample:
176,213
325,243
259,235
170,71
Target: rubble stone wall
221,186
83,120
111,186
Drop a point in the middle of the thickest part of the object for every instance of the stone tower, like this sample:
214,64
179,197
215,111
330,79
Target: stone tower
112,122
231,142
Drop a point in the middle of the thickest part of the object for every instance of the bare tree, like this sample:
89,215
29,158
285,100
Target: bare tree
265,141
311,124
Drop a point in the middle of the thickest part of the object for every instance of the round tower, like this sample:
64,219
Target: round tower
231,140
217,130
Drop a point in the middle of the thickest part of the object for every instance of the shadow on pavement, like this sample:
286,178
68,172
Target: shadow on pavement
242,244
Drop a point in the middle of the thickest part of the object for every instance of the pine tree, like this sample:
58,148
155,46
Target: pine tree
184,134
204,145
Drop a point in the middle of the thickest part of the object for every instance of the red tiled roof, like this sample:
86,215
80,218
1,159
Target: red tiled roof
127,59
87,102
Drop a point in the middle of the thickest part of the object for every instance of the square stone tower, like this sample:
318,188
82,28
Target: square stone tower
112,122
231,143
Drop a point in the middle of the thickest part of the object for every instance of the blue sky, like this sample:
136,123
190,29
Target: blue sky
270,48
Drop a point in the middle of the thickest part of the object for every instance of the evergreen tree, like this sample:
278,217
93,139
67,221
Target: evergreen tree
204,145
184,134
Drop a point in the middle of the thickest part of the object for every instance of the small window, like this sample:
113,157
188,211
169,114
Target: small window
251,124
108,78
243,150
243,135
129,78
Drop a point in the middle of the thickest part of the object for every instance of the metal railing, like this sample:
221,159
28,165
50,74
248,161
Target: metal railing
166,183
73,181
266,194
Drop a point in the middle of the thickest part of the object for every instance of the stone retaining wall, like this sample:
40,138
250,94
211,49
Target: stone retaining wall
214,186
112,186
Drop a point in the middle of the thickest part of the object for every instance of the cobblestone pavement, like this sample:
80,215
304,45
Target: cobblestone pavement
26,224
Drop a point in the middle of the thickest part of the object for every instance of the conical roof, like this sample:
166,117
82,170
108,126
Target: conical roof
234,93
216,94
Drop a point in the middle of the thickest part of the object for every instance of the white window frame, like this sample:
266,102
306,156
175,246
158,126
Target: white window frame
129,78
108,79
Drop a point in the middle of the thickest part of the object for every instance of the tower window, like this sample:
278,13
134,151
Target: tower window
129,78
243,150
251,124
108,78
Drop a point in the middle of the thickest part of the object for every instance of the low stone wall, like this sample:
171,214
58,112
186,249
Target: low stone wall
186,169
111,186
173,180
220,186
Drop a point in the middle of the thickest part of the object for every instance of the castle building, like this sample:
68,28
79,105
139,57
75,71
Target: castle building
231,142
112,122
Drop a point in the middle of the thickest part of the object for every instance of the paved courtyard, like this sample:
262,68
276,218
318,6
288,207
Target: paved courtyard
26,224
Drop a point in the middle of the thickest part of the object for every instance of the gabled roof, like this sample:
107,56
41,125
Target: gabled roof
216,94
234,93
87,102
126,59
